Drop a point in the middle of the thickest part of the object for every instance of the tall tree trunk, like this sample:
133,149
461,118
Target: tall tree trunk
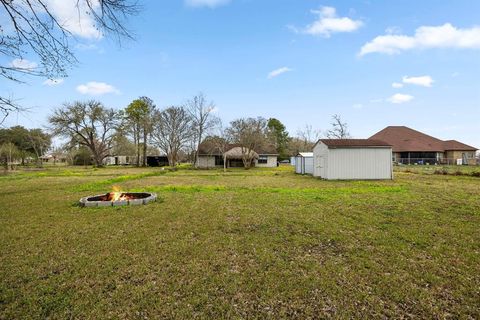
137,162
144,160
200,133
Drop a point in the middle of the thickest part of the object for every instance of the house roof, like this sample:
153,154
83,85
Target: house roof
453,145
354,143
211,149
404,139
236,153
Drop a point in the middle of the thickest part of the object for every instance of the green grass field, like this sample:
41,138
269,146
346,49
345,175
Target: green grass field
263,243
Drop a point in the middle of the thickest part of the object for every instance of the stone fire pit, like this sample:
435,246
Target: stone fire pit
118,199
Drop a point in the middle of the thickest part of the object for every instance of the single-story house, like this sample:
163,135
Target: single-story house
352,159
54,158
304,163
119,160
414,147
210,156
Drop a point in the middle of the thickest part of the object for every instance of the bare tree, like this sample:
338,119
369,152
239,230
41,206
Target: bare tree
88,124
32,27
203,119
307,137
172,129
339,129
221,142
249,133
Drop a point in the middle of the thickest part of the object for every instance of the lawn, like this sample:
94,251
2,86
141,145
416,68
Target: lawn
263,243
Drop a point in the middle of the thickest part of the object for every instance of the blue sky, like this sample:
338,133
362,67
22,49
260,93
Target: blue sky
298,61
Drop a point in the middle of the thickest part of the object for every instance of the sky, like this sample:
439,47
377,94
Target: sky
375,63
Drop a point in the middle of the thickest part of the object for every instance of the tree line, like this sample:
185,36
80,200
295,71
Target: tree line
176,130
25,145
92,132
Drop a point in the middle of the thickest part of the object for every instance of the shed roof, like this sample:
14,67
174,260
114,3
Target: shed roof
404,139
305,154
354,143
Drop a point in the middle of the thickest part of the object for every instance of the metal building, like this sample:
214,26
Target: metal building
350,159
304,163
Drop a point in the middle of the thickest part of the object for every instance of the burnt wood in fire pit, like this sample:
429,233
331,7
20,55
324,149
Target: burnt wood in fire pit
125,199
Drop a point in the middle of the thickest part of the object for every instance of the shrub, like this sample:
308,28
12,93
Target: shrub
475,174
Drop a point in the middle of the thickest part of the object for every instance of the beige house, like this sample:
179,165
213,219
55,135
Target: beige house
414,147
211,156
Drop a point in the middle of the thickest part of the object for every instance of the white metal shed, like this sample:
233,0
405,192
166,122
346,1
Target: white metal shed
304,163
350,159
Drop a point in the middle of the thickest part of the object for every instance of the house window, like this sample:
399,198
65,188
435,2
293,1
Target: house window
262,159
219,160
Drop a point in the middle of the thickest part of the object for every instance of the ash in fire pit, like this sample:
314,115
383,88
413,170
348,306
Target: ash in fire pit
118,198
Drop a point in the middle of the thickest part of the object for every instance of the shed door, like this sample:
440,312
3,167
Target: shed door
321,165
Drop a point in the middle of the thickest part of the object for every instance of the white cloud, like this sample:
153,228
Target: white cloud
400,98
328,22
277,72
52,82
96,88
206,3
72,15
424,81
357,106
444,36
397,85
393,30
23,64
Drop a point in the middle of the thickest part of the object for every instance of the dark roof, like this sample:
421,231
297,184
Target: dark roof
453,145
209,148
404,139
354,143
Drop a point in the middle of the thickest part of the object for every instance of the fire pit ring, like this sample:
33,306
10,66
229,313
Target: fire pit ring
124,199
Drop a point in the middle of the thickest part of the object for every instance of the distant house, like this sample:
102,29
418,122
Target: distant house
119,160
210,156
54,158
414,147
304,163
352,159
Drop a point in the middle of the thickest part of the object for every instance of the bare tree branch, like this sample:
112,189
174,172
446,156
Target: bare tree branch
172,129
31,28
203,119
339,129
